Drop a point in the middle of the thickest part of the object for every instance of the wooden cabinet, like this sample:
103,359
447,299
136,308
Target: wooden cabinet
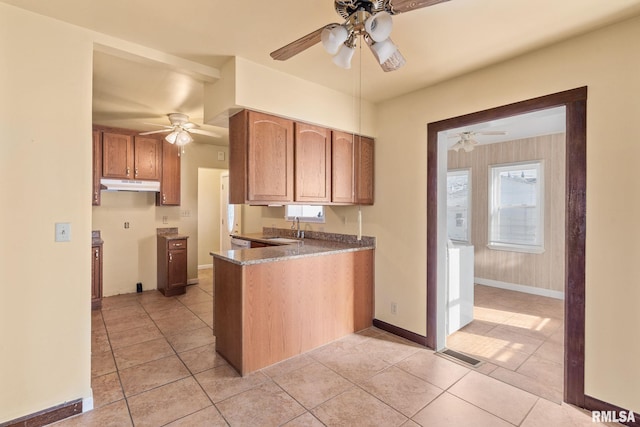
312,164
97,168
117,155
127,157
342,155
260,158
169,194
147,161
352,173
172,265
96,276
271,311
364,161
274,160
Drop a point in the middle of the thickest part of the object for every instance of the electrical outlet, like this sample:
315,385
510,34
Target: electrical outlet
394,308
126,225
165,219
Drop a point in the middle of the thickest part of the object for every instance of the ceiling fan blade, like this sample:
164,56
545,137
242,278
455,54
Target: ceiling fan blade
299,45
491,132
155,131
402,6
204,132
157,125
190,125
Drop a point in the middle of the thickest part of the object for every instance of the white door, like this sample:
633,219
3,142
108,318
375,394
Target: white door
231,215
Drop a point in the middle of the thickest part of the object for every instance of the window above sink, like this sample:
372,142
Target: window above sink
305,213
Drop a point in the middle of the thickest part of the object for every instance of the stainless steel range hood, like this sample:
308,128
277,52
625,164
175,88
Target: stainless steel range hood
129,185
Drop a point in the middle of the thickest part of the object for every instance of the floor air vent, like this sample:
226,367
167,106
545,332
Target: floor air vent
461,357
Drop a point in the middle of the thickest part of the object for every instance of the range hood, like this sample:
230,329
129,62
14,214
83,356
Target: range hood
129,185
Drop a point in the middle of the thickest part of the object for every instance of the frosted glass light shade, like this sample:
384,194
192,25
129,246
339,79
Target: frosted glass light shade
343,58
384,50
183,138
379,26
171,138
333,38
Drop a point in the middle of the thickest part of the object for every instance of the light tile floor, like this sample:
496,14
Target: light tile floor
519,336
154,364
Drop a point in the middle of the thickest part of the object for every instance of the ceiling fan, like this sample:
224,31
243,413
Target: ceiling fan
467,143
370,19
180,130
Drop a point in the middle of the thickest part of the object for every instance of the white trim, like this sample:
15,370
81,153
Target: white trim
520,288
87,404
205,266
192,281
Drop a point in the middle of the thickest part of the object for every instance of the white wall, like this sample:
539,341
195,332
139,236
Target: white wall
609,65
45,177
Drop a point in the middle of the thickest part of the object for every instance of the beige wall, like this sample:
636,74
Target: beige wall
130,254
610,66
208,214
545,270
45,178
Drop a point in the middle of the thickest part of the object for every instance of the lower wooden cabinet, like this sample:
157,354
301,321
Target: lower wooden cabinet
96,276
172,265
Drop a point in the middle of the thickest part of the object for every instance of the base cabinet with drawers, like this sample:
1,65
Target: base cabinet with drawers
172,264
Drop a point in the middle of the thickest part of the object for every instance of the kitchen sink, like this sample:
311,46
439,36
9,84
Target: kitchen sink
282,240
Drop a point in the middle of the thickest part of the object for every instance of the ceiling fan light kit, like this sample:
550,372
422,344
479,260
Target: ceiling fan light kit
370,19
180,130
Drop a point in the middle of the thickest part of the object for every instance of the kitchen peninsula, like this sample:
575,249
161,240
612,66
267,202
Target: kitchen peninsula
275,302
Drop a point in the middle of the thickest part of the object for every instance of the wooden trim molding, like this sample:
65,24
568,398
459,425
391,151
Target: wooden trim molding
575,101
403,333
593,404
48,416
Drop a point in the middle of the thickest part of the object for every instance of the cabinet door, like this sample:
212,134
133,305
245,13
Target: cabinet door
312,163
117,155
364,156
147,152
269,159
97,167
177,268
342,158
170,181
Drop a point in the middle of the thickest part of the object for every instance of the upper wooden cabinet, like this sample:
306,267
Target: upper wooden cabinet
128,157
169,194
147,158
364,160
274,160
117,155
352,173
342,155
312,164
260,158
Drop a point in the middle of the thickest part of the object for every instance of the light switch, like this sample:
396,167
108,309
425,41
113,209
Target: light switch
221,156
63,232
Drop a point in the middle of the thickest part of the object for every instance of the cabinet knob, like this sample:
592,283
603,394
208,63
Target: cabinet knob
135,172
178,244
170,257
97,252
164,197
128,171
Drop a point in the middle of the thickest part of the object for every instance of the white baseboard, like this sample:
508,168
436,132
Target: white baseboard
520,288
192,281
205,266
87,404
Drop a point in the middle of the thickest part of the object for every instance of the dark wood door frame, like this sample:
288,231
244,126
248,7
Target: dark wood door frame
575,101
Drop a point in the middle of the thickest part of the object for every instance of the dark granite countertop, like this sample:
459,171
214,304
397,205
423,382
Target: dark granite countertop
318,244
170,233
96,240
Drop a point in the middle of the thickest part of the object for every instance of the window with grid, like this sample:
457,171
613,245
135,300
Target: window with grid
516,196
458,205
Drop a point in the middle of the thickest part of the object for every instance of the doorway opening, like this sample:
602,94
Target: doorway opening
505,249
574,101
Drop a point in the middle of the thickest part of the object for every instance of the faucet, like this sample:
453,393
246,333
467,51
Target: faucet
299,234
